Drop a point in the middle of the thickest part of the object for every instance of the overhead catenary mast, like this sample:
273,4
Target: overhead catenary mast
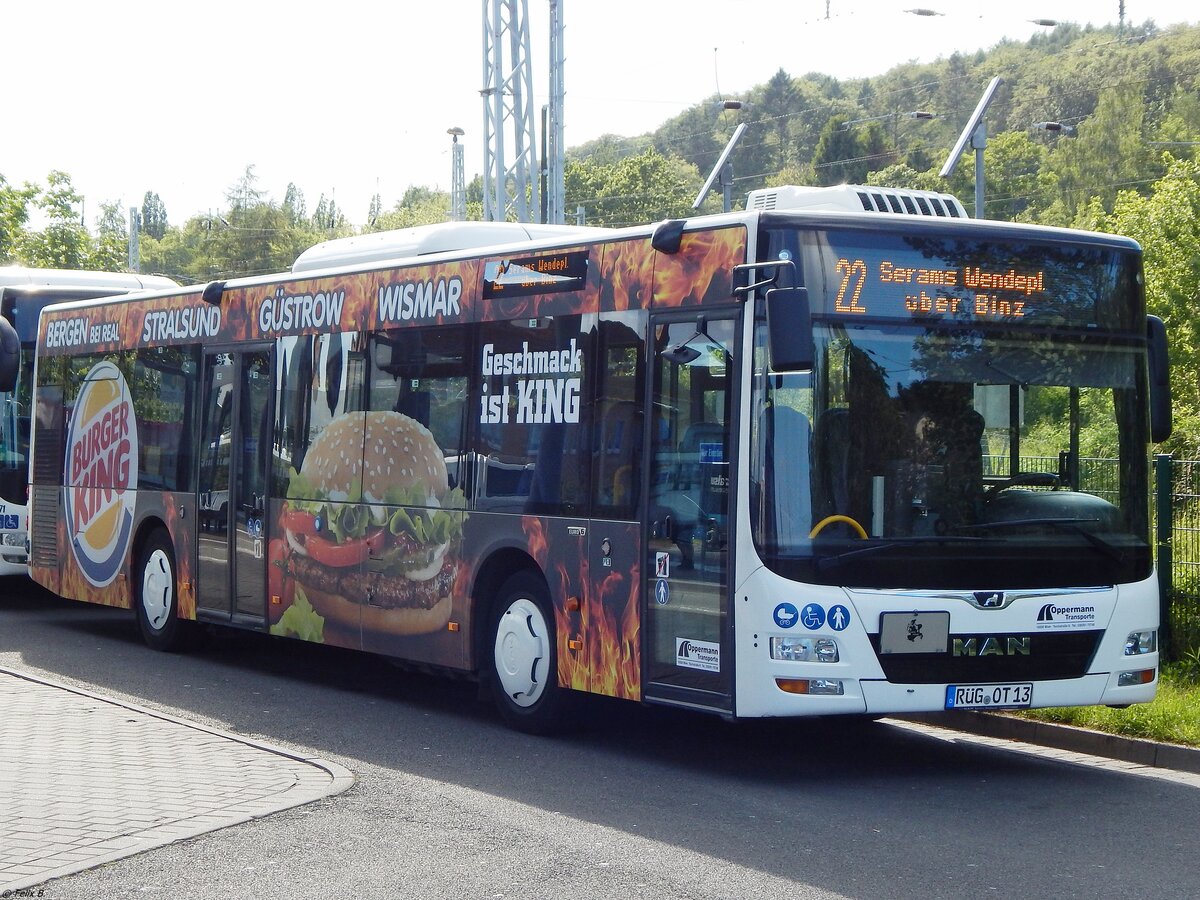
509,189
556,201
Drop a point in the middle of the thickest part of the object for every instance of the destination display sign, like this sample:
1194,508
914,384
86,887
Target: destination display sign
520,277
972,281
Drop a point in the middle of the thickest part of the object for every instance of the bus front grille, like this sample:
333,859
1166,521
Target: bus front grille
1049,656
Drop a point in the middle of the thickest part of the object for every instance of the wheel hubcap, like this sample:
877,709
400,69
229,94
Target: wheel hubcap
157,587
522,652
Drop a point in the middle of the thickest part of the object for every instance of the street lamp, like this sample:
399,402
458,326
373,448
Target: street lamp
458,191
1055,127
722,172
974,134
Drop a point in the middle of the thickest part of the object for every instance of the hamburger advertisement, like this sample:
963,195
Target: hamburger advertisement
370,534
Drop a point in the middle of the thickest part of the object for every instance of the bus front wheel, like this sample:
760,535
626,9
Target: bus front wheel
524,657
156,594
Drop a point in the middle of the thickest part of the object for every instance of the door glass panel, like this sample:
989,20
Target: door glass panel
688,613
234,457
216,436
254,415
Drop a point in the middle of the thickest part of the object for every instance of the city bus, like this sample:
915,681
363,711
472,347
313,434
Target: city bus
787,461
23,293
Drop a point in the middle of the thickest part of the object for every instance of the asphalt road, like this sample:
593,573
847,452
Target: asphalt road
640,802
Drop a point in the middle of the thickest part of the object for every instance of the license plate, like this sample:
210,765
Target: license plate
988,696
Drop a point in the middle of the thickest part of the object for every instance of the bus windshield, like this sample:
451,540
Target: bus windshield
14,435
954,454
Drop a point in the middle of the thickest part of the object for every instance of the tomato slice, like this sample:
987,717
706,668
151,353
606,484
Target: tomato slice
297,521
347,553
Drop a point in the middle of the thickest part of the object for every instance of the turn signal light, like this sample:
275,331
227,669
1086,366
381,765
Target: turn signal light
1128,679
823,686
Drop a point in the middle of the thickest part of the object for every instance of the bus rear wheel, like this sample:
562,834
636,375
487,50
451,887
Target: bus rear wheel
156,594
524,658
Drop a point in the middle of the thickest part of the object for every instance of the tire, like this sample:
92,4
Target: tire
156,594
523,657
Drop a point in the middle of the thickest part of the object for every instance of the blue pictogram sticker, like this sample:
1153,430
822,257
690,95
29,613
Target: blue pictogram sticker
786,615
662,592
839,617
813,616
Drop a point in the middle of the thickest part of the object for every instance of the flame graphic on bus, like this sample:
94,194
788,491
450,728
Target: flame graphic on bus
597,626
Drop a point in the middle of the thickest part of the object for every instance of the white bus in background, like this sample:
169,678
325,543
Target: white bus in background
23,293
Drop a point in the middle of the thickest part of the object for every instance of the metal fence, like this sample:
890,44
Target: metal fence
1183,553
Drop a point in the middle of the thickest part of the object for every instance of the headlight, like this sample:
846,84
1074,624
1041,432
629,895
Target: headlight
804,649
1140,642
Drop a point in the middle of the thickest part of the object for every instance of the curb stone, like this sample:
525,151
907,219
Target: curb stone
1067,737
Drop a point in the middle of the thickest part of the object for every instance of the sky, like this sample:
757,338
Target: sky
355,97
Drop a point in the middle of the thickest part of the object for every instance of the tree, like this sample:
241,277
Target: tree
293,204
64,243
634,190
110,251
154,216
244,193
773,108
1108,155
848,154
327,217
418,206
1011,175
1167,225
14,213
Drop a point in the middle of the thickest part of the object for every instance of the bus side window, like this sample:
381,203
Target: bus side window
319,378
163,387
620,416
533,447
422,373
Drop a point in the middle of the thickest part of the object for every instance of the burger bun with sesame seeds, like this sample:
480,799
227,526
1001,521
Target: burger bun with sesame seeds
373,528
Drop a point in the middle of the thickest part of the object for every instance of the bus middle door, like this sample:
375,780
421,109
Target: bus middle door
235,445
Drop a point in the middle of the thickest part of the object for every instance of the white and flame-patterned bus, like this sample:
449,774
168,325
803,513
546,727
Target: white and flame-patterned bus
23,293
833,454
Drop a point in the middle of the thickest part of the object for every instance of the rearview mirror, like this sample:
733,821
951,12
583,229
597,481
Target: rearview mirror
1160,379
10,355
789,330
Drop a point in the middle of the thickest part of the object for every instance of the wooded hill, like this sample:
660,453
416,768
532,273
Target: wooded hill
1126,95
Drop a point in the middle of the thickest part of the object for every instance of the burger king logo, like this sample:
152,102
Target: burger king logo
101,474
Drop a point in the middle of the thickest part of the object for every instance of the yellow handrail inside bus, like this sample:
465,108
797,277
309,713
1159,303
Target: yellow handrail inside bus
829,520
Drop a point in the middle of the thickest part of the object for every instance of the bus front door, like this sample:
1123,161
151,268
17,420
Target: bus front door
234,470
688,647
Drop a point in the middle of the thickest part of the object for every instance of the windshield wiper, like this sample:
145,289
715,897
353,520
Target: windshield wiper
1068,525
827,562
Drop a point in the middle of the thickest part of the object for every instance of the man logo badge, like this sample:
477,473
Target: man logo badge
989,599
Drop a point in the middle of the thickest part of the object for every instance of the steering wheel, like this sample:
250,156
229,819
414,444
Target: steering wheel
1033,479
831,520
